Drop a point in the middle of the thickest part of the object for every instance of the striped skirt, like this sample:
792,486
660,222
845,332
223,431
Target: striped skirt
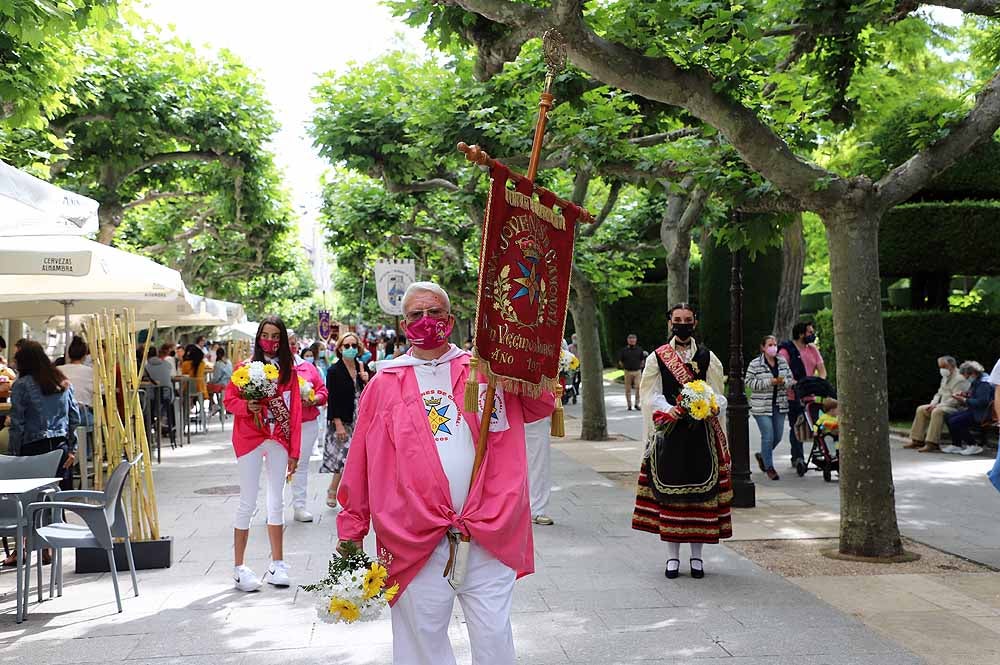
707,521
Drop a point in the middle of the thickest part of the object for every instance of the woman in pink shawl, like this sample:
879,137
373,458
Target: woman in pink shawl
408,471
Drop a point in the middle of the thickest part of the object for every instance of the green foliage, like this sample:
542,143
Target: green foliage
397,120
171,142
352,558
365,223
643,312
948,238
144,99
913,343
761,280
817,268
40,54
754,233
917,125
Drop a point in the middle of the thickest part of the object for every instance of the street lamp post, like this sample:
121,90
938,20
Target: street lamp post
738,411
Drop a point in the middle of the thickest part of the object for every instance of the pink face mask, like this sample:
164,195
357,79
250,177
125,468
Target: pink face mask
771,350
428,333
270,346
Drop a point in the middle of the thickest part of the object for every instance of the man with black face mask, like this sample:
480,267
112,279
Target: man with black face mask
805,360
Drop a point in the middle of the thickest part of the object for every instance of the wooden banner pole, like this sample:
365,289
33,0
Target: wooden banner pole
555,57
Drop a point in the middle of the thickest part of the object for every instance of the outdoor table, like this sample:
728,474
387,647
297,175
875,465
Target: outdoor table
20,489
182,394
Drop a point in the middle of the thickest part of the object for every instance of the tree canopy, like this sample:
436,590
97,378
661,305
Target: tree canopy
783,81
172,143
41,54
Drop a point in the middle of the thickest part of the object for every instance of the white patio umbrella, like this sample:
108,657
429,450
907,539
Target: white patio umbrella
246,330
31,205
41,276
188,309
233,312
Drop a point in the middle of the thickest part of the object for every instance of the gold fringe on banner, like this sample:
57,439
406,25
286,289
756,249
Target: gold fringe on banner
558,416
517,386
472,386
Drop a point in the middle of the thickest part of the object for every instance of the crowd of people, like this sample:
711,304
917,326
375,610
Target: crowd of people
377,406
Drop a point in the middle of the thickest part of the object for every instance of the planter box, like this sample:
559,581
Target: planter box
147,554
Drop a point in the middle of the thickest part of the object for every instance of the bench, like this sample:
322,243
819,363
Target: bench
989,427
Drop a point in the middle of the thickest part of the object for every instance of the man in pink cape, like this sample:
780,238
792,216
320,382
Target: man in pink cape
409,470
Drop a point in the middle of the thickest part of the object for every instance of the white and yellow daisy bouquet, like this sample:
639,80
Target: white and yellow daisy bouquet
567,362
354,588
307,390
256,380
698,400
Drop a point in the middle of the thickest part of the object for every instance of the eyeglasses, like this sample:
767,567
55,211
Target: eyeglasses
349,346
417,314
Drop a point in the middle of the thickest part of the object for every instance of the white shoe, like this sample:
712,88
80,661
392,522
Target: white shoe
245,579
951,450
972,450
277,574
303,515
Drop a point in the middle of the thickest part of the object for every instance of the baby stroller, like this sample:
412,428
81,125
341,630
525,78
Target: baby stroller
571,385
818,426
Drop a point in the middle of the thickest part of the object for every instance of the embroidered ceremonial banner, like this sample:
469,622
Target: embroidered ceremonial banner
525,263
325,326
392,276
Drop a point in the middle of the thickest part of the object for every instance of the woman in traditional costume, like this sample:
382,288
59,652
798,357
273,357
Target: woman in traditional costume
685,486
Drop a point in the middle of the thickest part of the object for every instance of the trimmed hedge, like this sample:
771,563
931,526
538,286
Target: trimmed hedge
945,238
643,313
914,341
761,281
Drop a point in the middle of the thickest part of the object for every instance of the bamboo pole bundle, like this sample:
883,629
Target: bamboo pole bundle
238,350
119,424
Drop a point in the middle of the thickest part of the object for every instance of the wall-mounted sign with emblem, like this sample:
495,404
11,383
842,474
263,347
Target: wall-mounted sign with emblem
392,277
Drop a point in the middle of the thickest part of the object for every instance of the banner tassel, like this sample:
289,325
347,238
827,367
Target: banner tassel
472,386
558,416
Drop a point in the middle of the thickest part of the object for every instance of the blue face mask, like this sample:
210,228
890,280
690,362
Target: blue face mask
349,354
366,357
310,359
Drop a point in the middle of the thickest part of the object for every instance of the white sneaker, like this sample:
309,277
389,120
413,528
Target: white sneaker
972,450
245,579
951,450
303,515
277,574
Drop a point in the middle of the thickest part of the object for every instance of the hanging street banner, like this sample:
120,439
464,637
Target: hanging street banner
392,277
526,258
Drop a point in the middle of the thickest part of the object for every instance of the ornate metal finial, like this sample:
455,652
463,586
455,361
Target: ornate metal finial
554,47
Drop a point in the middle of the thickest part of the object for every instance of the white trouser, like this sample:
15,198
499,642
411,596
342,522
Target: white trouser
300,481
273,458
537,439
421,616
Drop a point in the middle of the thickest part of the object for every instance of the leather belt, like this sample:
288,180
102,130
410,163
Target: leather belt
454,537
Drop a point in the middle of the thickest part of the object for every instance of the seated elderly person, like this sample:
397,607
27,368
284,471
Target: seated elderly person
925,434
975,405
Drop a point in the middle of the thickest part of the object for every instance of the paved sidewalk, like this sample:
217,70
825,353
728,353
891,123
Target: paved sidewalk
944,501
598,597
